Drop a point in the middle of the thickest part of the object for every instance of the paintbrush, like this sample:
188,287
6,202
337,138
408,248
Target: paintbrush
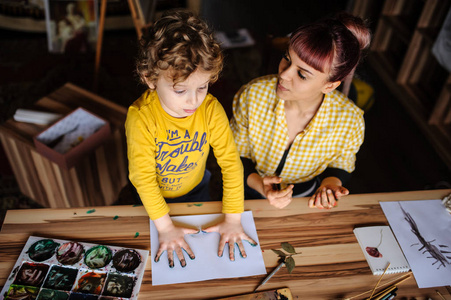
269,276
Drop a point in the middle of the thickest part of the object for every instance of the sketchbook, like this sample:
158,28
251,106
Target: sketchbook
381,248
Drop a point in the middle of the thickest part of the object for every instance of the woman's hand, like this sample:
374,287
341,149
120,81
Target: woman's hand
232,233
277,198
266,187
327,195
172,238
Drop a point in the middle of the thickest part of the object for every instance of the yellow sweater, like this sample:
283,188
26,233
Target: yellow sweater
167,156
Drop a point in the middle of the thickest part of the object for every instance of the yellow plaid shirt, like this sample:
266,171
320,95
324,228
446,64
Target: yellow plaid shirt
331,139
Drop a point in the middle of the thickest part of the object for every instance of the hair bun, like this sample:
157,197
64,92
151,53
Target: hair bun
358,28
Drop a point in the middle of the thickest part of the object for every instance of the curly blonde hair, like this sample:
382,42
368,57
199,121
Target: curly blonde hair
181,42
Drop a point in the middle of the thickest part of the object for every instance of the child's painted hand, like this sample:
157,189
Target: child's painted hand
278,198
232,233
172,238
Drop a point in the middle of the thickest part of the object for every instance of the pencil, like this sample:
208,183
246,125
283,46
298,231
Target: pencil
438,293
380,278
396,281
382,293
269,276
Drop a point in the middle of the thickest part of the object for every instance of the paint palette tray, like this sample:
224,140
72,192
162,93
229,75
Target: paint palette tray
60,269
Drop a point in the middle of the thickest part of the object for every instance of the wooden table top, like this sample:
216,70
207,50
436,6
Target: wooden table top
331,266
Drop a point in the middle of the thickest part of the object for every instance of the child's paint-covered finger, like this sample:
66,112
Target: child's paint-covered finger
241,248
221,247
171,259
250,241
181,257
158,255
189,252
232,251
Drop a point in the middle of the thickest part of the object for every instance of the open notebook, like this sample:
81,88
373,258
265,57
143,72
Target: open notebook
381,248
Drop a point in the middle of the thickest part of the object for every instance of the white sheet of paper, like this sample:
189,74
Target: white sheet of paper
207,265
428,246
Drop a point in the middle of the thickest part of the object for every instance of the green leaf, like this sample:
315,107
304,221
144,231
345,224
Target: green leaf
280,253
289,263
287,247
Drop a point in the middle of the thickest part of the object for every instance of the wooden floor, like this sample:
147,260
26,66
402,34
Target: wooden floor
394,157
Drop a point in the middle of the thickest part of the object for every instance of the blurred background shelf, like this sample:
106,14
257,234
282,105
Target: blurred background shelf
402,56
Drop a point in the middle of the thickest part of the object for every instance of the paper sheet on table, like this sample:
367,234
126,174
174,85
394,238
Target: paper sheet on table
423,230
207,265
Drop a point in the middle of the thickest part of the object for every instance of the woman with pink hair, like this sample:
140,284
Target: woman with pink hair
296,133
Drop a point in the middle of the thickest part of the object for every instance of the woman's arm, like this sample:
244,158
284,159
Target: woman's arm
339,170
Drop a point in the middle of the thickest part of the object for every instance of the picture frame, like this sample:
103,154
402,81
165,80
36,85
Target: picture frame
71,25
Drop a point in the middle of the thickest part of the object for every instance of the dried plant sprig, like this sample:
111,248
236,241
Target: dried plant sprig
286,257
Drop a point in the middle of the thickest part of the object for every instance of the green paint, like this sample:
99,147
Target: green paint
136,235
98,257
116,217
48,294
42,249
198,204
90,211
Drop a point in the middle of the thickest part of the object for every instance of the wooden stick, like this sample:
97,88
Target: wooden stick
99,43
403,279
380,278
441,296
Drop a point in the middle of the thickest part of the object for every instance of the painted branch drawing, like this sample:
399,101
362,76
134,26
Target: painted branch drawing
440,256
423,230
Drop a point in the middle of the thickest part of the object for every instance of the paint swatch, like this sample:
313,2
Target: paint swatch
64,270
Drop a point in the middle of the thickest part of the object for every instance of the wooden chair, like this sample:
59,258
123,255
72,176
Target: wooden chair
143,13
